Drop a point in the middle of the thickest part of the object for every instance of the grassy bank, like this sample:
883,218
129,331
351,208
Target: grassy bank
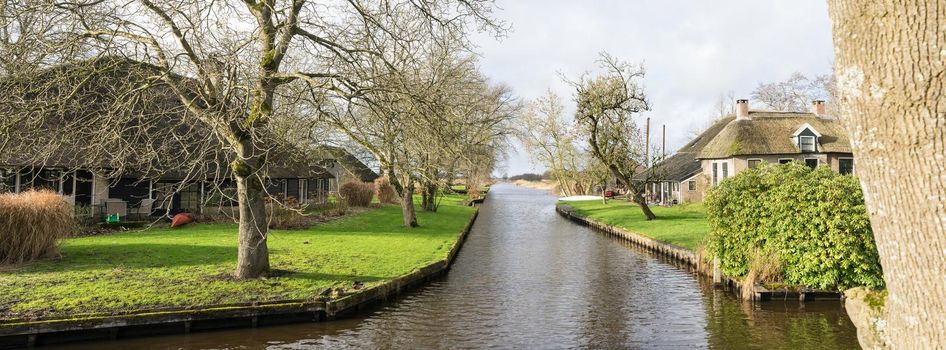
190,266
682,225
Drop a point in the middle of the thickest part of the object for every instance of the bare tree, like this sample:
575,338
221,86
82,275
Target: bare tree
233,65
794,94
551,141
607,104
890,80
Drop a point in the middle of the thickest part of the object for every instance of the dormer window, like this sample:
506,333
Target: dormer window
807,138
806,143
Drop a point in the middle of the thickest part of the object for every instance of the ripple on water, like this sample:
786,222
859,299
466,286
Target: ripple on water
527,278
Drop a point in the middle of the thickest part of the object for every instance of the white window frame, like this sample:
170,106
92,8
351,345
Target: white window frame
752,159
691,188
801,143
725,170
853,165
817,162
715,174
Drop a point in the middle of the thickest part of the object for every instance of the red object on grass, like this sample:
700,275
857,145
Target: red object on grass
181,220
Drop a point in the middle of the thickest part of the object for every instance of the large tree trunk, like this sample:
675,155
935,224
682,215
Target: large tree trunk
890,69
406,192
429,197
407,205
252,255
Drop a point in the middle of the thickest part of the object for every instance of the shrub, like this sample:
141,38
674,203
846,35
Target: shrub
31,223
357,194
287,215
812,225
385,191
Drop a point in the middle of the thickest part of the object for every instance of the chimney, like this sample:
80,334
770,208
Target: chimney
818,108
742,109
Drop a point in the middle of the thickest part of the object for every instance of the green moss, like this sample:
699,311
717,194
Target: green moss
189,267
682,225
240,168
268,60
876,299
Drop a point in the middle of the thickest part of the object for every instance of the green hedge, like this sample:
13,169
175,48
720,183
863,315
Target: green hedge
813,222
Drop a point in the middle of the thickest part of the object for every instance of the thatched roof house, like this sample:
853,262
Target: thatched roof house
684,164
773,133
747,140
155,149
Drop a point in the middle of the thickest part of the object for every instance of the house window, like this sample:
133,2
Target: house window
811,162
806,143
7,180
753,163
691,185
846,166
785,160
715,173
725,170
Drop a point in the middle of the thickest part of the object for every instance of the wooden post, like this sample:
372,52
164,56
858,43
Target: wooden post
717,273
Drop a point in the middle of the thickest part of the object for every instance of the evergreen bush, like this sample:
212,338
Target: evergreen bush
812,222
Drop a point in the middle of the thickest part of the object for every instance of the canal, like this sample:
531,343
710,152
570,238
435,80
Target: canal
527,278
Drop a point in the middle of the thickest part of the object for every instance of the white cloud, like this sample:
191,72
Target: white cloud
693,50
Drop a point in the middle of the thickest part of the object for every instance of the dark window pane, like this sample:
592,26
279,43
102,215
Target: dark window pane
811,163
715,174
7,180
846,166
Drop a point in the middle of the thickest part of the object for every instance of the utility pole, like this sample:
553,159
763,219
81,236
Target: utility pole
647,145
663,154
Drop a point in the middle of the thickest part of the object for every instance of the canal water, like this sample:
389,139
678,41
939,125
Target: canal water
527,278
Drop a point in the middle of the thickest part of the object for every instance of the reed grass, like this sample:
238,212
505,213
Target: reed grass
31,224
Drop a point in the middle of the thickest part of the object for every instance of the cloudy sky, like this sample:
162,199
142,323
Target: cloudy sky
693,51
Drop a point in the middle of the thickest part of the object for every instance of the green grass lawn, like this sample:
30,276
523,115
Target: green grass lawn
190,266
682,225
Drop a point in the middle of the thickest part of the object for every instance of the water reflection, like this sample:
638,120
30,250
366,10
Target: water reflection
527,278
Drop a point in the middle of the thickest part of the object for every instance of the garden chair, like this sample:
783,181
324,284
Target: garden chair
116,206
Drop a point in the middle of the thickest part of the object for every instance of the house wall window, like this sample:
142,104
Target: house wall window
811,162
715,173
806,143
846,166
753,163
7,180
785,160
725,170
691,185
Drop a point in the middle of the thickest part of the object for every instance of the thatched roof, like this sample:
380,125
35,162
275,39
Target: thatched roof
770,133
684,164
347,161
154,135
